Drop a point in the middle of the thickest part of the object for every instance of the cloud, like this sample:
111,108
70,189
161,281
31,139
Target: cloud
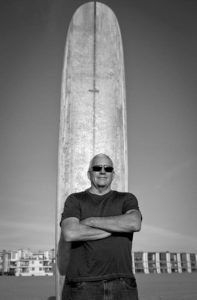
161,231
154,238
15,225
15,235
176,171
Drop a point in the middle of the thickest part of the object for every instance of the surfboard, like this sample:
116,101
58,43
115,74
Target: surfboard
92,110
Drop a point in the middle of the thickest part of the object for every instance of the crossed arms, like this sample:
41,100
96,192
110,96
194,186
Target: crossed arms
95,228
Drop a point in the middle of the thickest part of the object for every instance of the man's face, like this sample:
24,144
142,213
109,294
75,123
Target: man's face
101,178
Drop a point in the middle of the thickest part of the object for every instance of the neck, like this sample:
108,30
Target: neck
99,190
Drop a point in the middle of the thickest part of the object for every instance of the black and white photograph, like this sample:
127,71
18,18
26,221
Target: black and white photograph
98,150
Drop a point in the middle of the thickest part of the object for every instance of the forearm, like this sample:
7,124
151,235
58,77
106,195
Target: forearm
129,222
81,232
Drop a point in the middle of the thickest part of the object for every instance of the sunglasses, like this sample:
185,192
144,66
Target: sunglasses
98,168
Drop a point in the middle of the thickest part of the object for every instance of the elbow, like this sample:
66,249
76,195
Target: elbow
137,222
134,226
134,221
69,236
137,227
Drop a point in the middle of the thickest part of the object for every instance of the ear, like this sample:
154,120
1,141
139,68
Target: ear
88,174
113,175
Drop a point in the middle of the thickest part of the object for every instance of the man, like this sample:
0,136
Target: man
99,223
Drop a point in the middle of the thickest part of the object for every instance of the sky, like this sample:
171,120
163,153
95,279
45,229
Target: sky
160,51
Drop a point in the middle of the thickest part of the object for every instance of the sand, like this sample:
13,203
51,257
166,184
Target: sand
151,287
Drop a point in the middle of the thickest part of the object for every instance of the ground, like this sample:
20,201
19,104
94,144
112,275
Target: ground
151,287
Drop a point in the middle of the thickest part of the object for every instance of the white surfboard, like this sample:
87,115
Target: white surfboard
93,109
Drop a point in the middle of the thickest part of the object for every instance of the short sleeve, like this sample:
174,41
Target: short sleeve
71,208
130,202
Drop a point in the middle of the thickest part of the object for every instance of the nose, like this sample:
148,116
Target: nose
103,170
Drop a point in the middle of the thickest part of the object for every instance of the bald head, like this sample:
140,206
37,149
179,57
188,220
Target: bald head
98,157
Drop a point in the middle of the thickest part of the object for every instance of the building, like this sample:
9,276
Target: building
36,265
164,262
4,262
24,262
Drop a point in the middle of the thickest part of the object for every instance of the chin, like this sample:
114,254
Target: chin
101,185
